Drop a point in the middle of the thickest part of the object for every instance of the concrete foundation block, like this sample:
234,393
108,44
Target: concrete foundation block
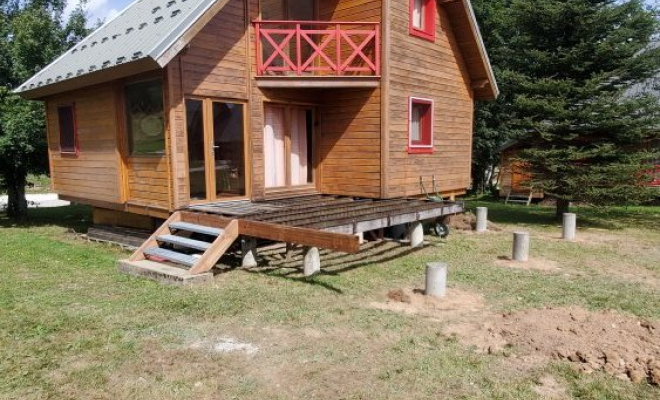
436,279
312,261
162,273
416,234
249,250
482,219
521,246
569,226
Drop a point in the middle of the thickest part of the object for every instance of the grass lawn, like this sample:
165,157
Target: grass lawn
72,327
38,184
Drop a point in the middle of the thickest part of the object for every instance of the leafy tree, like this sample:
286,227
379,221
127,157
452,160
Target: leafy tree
32,33
567,65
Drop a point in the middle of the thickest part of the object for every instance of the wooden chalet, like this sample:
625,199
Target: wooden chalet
301,121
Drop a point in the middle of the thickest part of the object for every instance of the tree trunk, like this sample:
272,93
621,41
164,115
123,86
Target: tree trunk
17,204
562,207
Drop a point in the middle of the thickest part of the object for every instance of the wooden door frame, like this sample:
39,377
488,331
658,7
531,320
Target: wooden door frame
209,159
288,188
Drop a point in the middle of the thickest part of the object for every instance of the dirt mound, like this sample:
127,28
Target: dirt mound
467,222
622,346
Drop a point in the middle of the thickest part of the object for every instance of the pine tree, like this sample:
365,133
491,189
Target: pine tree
570,64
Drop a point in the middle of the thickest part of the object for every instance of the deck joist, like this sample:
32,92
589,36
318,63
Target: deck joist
319,220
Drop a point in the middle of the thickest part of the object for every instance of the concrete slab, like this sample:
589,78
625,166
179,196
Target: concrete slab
162,273
47,200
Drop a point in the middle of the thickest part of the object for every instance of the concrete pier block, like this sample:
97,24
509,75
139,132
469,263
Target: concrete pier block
569,226
416,234
521,246
312,261
436,279
249,250
482,219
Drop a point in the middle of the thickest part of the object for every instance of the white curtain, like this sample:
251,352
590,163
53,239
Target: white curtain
274,156
298,147
418,14
415,123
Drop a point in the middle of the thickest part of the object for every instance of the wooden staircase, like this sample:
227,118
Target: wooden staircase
520,198
181,251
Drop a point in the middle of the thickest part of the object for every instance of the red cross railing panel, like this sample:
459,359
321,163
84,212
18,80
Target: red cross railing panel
317,48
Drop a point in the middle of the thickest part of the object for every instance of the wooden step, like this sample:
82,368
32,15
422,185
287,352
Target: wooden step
184,242
194,228
172,256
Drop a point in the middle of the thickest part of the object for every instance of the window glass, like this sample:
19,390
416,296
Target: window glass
418,14
421,125
422,18
67,124
145,117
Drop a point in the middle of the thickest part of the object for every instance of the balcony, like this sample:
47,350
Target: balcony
316,54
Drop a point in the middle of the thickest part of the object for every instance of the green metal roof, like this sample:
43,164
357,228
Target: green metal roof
144,31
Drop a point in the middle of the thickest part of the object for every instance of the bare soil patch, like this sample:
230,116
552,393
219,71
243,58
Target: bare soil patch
534,264
623,346
413,301
548,388
468,222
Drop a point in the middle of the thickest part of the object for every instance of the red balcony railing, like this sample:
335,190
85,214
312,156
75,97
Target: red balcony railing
314,48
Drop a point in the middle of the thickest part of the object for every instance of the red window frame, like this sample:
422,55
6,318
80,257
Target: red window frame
428,13
69,109
425,144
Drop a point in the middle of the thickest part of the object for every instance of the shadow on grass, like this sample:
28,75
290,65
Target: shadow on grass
74,217
612,218
333,263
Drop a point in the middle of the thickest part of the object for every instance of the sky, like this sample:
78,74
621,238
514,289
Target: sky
106,9
100,9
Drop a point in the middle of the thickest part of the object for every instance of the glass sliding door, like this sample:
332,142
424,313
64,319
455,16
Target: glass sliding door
274,148
228,149
288,146
196,149
216,149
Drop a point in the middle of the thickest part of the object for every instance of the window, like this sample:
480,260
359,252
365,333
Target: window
422,19
288,146
67,121
144,116
420,131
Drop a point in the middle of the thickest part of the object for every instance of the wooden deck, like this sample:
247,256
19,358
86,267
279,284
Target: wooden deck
337,214
194,239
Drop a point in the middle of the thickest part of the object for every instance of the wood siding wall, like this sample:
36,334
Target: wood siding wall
99,173
214,65
432,70
350,145
95,173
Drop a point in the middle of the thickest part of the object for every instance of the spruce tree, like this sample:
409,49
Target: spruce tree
568,66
